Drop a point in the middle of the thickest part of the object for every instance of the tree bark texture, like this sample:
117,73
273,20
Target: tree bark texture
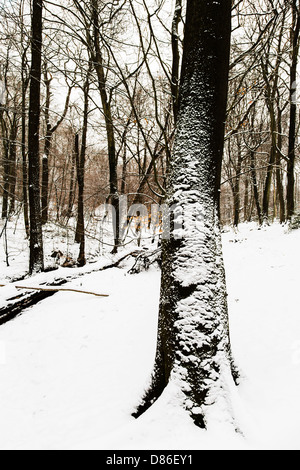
80,235
193,349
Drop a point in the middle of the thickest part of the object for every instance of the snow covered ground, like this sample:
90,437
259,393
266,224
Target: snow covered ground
73,367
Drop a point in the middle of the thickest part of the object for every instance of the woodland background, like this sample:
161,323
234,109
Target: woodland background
110,87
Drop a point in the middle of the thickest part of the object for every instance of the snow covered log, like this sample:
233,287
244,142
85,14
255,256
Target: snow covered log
34,294
19,303
193,351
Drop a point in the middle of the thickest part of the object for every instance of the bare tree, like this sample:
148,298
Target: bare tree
50,130
80,165
25,77
193,348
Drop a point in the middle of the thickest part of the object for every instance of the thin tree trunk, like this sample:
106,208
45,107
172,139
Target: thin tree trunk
236,187
124,169
176,58
50,130
47,147
13,163
106,105
255,187
5,142
5,166
45,177
246,200
72,186
36,263
25,82
279,185
295,32
80,163
80,179
272,161
271,86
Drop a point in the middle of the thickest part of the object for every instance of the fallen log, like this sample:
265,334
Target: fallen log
15,307
17,304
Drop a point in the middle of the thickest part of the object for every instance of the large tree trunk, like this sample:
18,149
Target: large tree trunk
193,349
36,263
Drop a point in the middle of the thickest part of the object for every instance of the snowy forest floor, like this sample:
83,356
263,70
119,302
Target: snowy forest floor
73,368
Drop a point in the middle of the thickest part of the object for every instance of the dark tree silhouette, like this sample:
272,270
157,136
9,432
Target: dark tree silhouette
36,262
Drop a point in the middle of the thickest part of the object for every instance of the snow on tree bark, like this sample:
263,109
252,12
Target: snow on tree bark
193,335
